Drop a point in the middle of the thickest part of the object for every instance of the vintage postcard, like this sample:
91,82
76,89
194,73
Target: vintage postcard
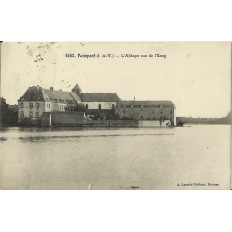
115,115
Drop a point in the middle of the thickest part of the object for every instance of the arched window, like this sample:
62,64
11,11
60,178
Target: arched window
99,106
87,106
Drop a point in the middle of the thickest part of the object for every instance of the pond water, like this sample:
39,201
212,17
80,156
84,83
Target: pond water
132,158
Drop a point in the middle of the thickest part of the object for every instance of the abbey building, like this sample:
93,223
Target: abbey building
37,100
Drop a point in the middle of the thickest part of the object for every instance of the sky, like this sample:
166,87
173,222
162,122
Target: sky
195,76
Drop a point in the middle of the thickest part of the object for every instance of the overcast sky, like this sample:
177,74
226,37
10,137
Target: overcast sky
195,76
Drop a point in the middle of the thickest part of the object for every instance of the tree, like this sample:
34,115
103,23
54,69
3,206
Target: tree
4,111
8,114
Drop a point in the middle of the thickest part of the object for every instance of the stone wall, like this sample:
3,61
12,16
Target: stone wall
112,123
154,123
63,119
78,119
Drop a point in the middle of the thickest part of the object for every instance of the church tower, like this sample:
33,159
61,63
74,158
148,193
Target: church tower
76,89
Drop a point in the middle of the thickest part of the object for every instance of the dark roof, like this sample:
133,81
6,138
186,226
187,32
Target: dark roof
77,87
33,94
63,95
146,103
99,97
40,94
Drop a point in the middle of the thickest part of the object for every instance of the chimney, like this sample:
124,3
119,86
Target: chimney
37,87
51,88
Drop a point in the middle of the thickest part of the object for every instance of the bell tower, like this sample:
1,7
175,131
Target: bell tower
76,89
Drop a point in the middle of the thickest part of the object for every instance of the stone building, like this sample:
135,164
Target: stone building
100,105
37,100
104,101
147,110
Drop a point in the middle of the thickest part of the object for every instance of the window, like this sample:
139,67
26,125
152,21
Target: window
161,112
22,114
37,105
153,112
170,111
30,105
99,106
21,105
113,106
31,114
87,106
124,111
37,114
142,116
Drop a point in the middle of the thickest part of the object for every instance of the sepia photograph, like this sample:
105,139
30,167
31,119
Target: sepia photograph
115,115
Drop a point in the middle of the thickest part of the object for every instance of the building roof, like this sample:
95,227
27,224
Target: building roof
146,103
76,88
99,97
55,95
40,94
76,97
33,94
